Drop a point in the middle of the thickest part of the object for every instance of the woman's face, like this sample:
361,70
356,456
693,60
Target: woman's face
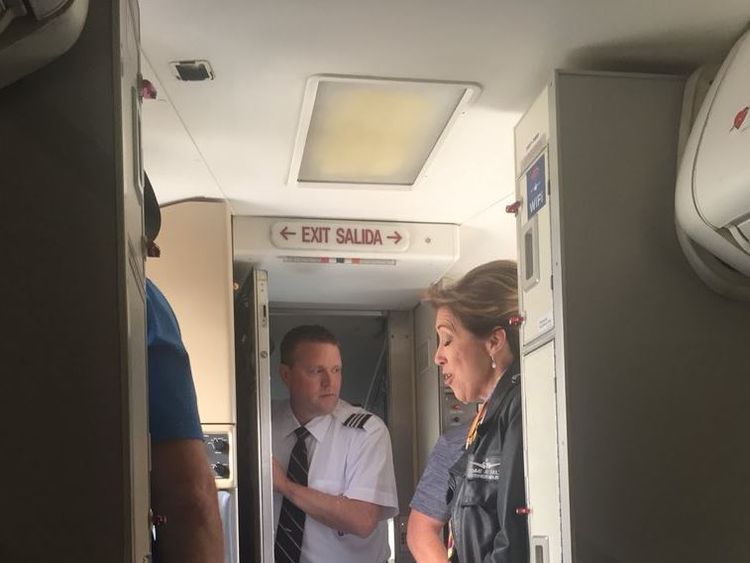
463,358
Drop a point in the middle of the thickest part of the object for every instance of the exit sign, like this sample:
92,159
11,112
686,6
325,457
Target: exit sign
342,235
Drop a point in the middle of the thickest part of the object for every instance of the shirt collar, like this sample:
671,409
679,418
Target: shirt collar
318,426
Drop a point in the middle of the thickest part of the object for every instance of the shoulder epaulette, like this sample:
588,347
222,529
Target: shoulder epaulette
357,420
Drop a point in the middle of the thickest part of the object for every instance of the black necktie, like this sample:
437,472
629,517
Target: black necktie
288,546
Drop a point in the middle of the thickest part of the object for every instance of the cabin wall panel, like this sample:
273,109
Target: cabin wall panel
195,274
73,363
490,235
650,367
427,385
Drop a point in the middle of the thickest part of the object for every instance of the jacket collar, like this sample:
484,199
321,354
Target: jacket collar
509,379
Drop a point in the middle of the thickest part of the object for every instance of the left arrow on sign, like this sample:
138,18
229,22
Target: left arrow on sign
285,232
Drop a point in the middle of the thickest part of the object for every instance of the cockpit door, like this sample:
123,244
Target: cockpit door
254,475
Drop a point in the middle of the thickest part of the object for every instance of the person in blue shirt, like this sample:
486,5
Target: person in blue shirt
429,506
183,493
173,410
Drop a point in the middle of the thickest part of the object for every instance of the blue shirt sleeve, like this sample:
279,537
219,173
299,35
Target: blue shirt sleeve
430,495
173,409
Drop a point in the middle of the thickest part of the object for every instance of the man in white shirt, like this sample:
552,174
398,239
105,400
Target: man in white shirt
333,466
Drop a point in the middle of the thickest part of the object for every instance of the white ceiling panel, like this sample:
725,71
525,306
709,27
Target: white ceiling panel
170,157
243,124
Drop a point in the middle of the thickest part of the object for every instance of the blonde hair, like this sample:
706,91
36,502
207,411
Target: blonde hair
483,300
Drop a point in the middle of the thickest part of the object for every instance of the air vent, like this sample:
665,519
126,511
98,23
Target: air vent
192,71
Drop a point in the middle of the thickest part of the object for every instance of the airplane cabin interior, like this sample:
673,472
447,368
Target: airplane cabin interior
325,164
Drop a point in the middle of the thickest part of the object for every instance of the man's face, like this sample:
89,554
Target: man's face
313,379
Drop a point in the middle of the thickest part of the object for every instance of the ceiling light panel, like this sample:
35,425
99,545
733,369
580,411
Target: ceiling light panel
373,132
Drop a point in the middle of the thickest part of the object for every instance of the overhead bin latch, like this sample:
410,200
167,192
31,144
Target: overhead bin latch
157,519
513,207
146,90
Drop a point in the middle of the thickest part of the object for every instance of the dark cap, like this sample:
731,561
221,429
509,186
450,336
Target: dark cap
151,211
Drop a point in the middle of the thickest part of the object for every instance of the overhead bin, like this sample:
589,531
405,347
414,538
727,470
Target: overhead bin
346,263
713,185
35,32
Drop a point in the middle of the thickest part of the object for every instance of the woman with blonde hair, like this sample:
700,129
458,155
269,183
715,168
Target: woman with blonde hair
478,353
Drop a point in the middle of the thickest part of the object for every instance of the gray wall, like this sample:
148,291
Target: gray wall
427,385
656,365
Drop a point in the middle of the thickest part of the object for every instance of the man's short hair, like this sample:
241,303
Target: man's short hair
304,333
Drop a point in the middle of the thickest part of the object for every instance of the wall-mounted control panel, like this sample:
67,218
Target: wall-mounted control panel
219,445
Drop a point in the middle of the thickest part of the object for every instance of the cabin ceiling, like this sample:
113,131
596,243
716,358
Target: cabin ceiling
233,137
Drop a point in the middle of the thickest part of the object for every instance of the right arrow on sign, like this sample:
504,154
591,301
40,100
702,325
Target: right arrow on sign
395,237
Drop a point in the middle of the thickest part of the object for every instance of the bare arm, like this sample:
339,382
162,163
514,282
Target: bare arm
337,512
424,536
183,490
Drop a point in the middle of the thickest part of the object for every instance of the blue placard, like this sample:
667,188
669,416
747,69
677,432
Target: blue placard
536,192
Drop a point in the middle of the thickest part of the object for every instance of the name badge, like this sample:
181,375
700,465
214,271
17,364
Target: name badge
487,469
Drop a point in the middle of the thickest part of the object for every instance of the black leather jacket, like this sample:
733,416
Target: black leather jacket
487,484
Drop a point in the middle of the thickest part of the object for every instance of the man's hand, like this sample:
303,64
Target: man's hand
280,480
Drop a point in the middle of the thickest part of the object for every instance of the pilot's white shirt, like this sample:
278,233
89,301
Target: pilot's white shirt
349,455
